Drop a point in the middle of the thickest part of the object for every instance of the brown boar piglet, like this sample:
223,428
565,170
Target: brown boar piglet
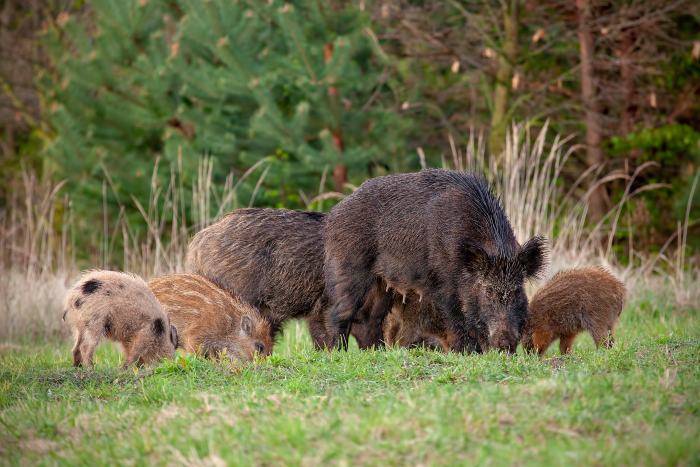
576,300
210,321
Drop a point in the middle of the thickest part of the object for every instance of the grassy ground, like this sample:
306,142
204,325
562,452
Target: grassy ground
636,403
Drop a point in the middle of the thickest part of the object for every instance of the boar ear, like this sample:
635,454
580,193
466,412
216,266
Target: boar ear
158,327
533,256
247,325
475,258
174,337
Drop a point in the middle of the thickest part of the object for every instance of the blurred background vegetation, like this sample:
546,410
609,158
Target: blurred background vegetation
119,103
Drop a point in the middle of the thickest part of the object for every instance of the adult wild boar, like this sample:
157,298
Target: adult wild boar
441,234
272,259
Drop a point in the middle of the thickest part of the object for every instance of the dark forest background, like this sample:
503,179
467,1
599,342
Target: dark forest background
320,96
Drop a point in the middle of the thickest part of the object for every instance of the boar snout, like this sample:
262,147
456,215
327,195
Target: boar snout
502,338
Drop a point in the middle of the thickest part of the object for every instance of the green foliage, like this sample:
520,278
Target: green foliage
636,403
675,150
301,85
663,144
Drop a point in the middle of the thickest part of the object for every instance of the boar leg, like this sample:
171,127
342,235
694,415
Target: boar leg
448,306
86,347
318,327
541,340
77,358
380,305
565,343
350,295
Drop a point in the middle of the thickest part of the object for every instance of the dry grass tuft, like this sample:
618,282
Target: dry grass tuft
31,305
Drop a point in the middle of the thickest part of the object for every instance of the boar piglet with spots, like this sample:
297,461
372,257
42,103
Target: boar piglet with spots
119,307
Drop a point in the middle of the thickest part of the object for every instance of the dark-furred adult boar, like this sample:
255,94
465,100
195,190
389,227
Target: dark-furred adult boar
272,259
441,234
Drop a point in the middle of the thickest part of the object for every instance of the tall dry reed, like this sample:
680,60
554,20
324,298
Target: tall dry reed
38,250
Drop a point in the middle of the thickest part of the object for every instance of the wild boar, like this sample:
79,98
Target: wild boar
585,299
273,259
413,323
270,258
441,234
119,307
209,320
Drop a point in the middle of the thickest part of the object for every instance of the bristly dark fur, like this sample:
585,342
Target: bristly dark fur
442,234
486,207
271,258
91,286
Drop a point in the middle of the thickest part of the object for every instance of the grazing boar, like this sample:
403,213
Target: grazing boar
414,323
441,234
209,320
586,299
120,307
272,259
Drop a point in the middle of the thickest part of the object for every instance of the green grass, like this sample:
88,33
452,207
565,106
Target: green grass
637,403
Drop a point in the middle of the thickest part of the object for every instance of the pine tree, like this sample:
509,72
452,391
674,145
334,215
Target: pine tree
302,85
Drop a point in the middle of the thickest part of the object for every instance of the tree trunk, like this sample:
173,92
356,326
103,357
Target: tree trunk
597,202
504,77
627,77
340,171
